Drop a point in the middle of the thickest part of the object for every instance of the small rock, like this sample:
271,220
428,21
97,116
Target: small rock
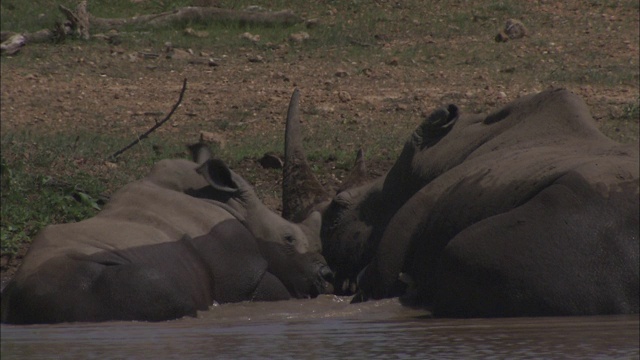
179,54
344,96
311,23
515,29
271,161
325,109
501,37
133,57
117,50
299,37
110,165
213,138
194,33
401,107
256,59
341,73
393,62
250,37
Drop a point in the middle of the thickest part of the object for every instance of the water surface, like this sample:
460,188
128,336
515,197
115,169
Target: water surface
328,327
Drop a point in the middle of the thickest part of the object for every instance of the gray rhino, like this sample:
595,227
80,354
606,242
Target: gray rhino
185,236
527,211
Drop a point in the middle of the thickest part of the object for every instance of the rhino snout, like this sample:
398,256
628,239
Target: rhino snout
326,274
324,280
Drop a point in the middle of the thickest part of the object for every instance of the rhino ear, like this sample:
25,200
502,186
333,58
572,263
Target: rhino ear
435,126
358,174
218,175
200,152
313,222
312,226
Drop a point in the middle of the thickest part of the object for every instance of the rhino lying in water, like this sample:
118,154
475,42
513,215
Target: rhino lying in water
527,211
164,247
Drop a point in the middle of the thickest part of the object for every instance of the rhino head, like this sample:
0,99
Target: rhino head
355,216
292,250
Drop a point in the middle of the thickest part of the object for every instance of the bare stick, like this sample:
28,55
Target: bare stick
157,125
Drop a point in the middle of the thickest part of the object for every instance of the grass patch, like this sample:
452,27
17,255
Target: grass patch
59,178
623,124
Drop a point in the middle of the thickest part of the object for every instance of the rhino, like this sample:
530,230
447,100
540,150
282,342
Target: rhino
187,235
527,211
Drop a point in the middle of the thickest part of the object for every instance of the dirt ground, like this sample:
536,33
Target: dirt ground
244,92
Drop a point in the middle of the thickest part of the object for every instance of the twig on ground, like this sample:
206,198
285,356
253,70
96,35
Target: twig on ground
157,125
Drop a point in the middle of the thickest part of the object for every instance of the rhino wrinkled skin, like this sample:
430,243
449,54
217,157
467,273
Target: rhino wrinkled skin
527,211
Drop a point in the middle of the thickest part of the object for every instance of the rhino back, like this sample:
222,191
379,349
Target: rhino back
140,214
501,164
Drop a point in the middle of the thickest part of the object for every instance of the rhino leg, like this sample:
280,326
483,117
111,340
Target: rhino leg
69,290
270,289
139,292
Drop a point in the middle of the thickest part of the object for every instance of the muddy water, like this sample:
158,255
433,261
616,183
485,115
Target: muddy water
328,327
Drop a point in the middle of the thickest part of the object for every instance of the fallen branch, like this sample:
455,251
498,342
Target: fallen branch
157,125
79,21
201,14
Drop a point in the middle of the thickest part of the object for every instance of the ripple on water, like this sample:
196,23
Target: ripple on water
328,327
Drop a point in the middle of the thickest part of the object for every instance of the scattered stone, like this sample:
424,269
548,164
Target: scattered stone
325,109
513,29
250,37
148,55
179,54
198,61
256,59
344,96
206,3
501,37
282,76
255,8
271,161
195,33
213,138
133,57
402,107
299,37
312,23
116,50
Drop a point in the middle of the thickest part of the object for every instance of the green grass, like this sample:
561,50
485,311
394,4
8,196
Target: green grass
34,196
622,124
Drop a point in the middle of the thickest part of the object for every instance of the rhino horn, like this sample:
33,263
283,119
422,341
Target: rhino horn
358,174
302,191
